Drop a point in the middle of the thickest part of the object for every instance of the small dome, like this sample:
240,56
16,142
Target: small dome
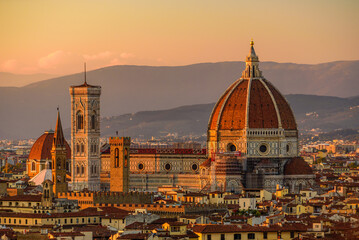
42,147
297,166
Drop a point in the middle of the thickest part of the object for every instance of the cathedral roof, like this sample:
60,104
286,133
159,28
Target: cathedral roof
42,176
251,102
297,166
42,147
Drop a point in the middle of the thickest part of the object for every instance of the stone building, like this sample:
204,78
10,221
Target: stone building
85,136
50,159
252,142
40,155
120,155
58,155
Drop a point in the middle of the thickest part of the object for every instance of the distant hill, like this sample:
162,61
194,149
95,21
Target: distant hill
326,113
19,80
27,111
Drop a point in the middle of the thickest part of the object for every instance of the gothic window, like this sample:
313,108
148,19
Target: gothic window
77,148
93,120
67,166
117,157
78,170
80,120
33,166
82,170
82,148
126,157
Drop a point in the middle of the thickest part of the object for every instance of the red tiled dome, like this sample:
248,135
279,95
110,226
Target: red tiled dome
230,112
251,102
42,147
297,166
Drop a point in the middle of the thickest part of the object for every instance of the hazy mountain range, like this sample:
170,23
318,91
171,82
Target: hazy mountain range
27,111
326,113
20,80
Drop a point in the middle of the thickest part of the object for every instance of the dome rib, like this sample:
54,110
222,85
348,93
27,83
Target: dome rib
213,123
229,106
274,102
285,111
262,112
248,102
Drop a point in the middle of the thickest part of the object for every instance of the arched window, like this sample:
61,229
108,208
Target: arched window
126,157
93,120
82,148
33,166
78,170
117,157
82,170
80,120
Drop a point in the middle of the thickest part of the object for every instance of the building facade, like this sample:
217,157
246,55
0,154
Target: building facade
85,136
58,153
252,142
120,164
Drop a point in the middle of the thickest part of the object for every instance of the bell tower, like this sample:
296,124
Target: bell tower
58,155
120,163
85,136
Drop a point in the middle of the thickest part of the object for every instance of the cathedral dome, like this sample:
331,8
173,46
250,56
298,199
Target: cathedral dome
252,102
42,147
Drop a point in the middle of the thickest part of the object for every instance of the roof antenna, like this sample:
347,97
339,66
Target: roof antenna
85,72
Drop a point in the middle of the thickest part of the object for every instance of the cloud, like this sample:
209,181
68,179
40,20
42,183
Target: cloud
65,62
53,59
101,55
127,55
9,65
115,61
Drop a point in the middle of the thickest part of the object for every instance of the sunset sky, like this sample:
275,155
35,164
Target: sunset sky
56,37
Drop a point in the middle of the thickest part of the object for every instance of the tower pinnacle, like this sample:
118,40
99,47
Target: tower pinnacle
59,140
85,83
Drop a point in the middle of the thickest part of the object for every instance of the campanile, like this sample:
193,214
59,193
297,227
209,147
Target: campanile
85,136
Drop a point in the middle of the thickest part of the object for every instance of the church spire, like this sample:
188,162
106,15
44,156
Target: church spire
85,83
59,140
252,62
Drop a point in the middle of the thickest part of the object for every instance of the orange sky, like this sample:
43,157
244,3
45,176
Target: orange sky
58,36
